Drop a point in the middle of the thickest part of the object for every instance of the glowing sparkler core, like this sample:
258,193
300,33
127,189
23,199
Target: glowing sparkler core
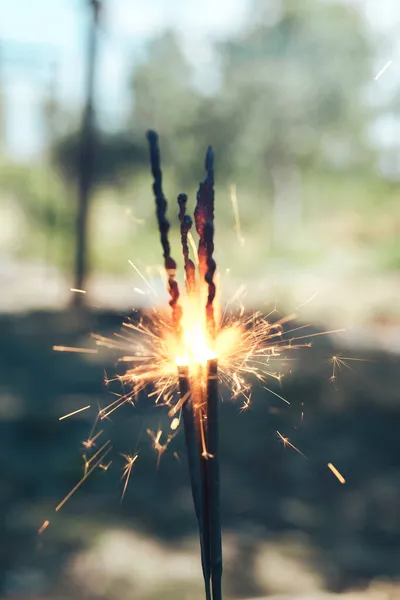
195,344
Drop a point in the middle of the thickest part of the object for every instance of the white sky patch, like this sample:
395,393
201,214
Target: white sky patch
137,17
54,22
58,29
144,18
198,23
126,28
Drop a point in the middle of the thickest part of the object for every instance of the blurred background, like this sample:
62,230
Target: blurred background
301,101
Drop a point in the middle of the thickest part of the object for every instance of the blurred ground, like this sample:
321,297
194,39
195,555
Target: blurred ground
290,528
364,305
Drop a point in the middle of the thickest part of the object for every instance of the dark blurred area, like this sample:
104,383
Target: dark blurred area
300,101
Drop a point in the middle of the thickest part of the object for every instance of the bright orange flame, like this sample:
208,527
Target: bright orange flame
194,347
248,347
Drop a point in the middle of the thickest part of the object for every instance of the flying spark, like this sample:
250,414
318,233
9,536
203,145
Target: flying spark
235,208
72,349
44,526
340,361
75,412
336,472
130,460
85,476
384,68
287,442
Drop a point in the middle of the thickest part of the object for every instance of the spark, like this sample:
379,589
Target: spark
287,442
130,460
71,349
277,395
246,346
158,447
336,472
235,208
178,405
246,405
105,467
44,526
139,291
95,455
310,335
308,300
340,361
142,277
194,248
75,412
77,291
90,442
83,479
175,423
384,68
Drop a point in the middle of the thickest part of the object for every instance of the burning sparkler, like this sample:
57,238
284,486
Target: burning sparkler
197,360
185,355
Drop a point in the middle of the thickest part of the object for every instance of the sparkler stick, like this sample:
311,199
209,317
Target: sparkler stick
212,472
198,384
192,437
204,218
189,424
189,353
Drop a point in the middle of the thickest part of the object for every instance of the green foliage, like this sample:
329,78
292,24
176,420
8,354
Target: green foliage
46,209
296,87
291,103
116,157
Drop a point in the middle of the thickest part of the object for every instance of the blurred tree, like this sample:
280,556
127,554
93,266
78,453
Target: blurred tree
165,99
117,157
293,92
297,84
292,98
2,106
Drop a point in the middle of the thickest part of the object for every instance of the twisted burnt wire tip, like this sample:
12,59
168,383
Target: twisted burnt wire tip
186,225
163,226
204,220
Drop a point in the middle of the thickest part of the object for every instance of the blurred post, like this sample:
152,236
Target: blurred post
2,105
50,115
86,158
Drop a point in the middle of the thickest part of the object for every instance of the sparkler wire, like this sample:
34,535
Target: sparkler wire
186,225
191,434
198,390
212,474
163,226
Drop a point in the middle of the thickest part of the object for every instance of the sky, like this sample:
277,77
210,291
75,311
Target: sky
52,32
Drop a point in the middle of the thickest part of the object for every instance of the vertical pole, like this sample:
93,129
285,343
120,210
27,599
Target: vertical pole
86,159
50,117
2,105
